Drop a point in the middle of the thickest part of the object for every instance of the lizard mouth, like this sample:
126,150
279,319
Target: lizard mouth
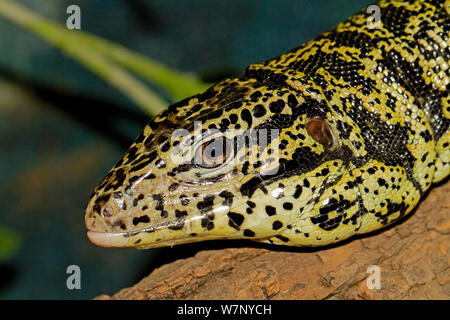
119,239
123,240
108,239
129,238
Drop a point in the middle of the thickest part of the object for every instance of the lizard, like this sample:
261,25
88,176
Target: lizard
340,136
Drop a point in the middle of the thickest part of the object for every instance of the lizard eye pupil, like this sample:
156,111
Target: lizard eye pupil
213,153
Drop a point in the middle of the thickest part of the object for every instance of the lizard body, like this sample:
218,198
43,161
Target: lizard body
338,137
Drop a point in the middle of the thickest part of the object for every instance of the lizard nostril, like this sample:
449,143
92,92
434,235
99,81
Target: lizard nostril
107,211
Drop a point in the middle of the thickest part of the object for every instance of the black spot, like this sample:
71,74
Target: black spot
284,239
225,123
251,204
140,138
236,220
226,194
277,225
215,114
259,111
233,118
276,106
247,117
298,191
131,154
162,139
119,179
184,200
159,204
426,135
207,221
165,147
292,101
140,166
424,157
158,196
326,223
248,188
255,96
207,202
101,201
306,183
150,176
180,214
143,219
287,206
173,186
249,233
208,94
270,210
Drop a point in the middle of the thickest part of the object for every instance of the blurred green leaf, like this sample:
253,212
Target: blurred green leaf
109,60
9,243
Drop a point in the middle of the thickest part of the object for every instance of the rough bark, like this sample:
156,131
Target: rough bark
413,257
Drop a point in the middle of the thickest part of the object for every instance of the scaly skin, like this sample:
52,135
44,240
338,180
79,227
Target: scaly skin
356,130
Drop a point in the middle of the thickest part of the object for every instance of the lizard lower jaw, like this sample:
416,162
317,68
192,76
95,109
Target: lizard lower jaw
107,239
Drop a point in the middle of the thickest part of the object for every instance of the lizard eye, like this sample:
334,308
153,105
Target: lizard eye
213,153
321,132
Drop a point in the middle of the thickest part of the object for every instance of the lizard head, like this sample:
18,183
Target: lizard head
334,138
240,160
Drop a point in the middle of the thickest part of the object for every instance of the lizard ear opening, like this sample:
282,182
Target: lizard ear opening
321,132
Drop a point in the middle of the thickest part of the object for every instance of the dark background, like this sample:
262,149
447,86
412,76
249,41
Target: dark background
62,128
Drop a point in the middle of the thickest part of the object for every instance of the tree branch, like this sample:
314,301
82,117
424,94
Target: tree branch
413,257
